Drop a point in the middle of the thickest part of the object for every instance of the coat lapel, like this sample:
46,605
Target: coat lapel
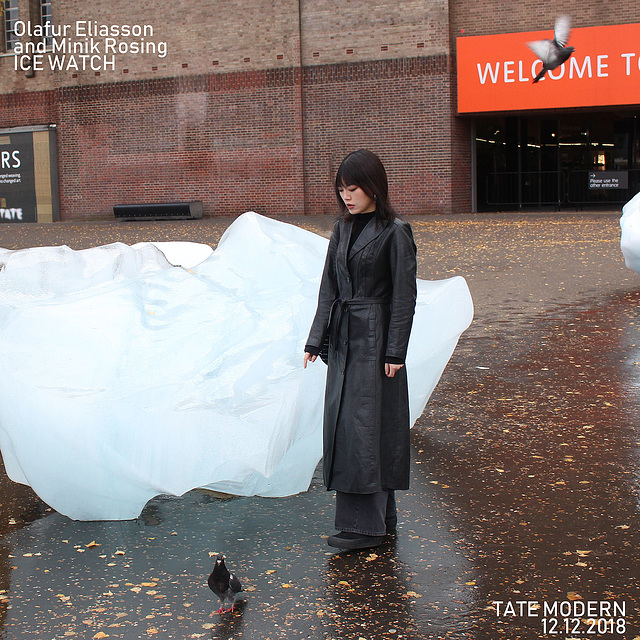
343,245
367,235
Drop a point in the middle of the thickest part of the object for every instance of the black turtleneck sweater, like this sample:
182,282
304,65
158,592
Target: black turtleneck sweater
358,223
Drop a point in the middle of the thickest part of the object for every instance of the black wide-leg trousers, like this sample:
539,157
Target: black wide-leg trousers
369,514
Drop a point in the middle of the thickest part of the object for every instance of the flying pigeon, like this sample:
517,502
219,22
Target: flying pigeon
224,584
553,52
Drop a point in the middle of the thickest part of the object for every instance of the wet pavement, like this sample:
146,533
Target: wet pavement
522,521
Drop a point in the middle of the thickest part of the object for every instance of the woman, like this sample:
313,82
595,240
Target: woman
365,309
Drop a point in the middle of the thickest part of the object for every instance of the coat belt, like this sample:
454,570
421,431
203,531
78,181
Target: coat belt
342,302
339,304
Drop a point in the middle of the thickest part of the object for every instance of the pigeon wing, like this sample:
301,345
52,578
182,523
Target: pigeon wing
562,30
234,583
542,48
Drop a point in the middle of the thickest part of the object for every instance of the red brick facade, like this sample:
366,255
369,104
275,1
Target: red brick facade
230,140
255,109
398,108
264,140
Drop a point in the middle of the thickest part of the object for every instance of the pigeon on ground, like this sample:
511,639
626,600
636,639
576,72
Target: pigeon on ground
553,52
225,585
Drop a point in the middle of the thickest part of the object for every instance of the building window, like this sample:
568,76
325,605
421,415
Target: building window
45,19
10,19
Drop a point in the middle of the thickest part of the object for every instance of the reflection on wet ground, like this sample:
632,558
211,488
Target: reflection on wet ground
524,477
148,577
544,469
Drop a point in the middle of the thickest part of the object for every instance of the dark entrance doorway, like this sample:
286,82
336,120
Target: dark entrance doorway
573,160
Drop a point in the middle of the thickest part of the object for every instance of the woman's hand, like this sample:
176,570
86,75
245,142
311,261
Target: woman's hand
308,357
391,369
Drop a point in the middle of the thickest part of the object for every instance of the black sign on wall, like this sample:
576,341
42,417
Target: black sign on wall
29,174
18,201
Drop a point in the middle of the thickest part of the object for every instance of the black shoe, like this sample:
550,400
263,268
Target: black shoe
348,540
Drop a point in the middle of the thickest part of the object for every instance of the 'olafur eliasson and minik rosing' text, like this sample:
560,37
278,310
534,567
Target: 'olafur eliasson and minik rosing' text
84,45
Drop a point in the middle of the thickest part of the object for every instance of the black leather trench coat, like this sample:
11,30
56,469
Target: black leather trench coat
366,302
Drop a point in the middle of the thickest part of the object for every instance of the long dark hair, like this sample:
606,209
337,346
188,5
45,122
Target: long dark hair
363,168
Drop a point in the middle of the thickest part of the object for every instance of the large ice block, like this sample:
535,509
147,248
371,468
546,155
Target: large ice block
125,377
630,233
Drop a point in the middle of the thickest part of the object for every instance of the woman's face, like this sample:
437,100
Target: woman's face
356,200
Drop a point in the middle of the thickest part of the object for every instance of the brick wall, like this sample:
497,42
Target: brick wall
201,37
376,76
28,109
251,109
232,141
255,104
334,31
400,110
461,152
255,140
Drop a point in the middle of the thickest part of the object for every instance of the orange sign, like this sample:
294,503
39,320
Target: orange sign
495,73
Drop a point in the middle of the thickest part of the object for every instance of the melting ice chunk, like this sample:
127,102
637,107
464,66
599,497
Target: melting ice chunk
125,377
630,235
